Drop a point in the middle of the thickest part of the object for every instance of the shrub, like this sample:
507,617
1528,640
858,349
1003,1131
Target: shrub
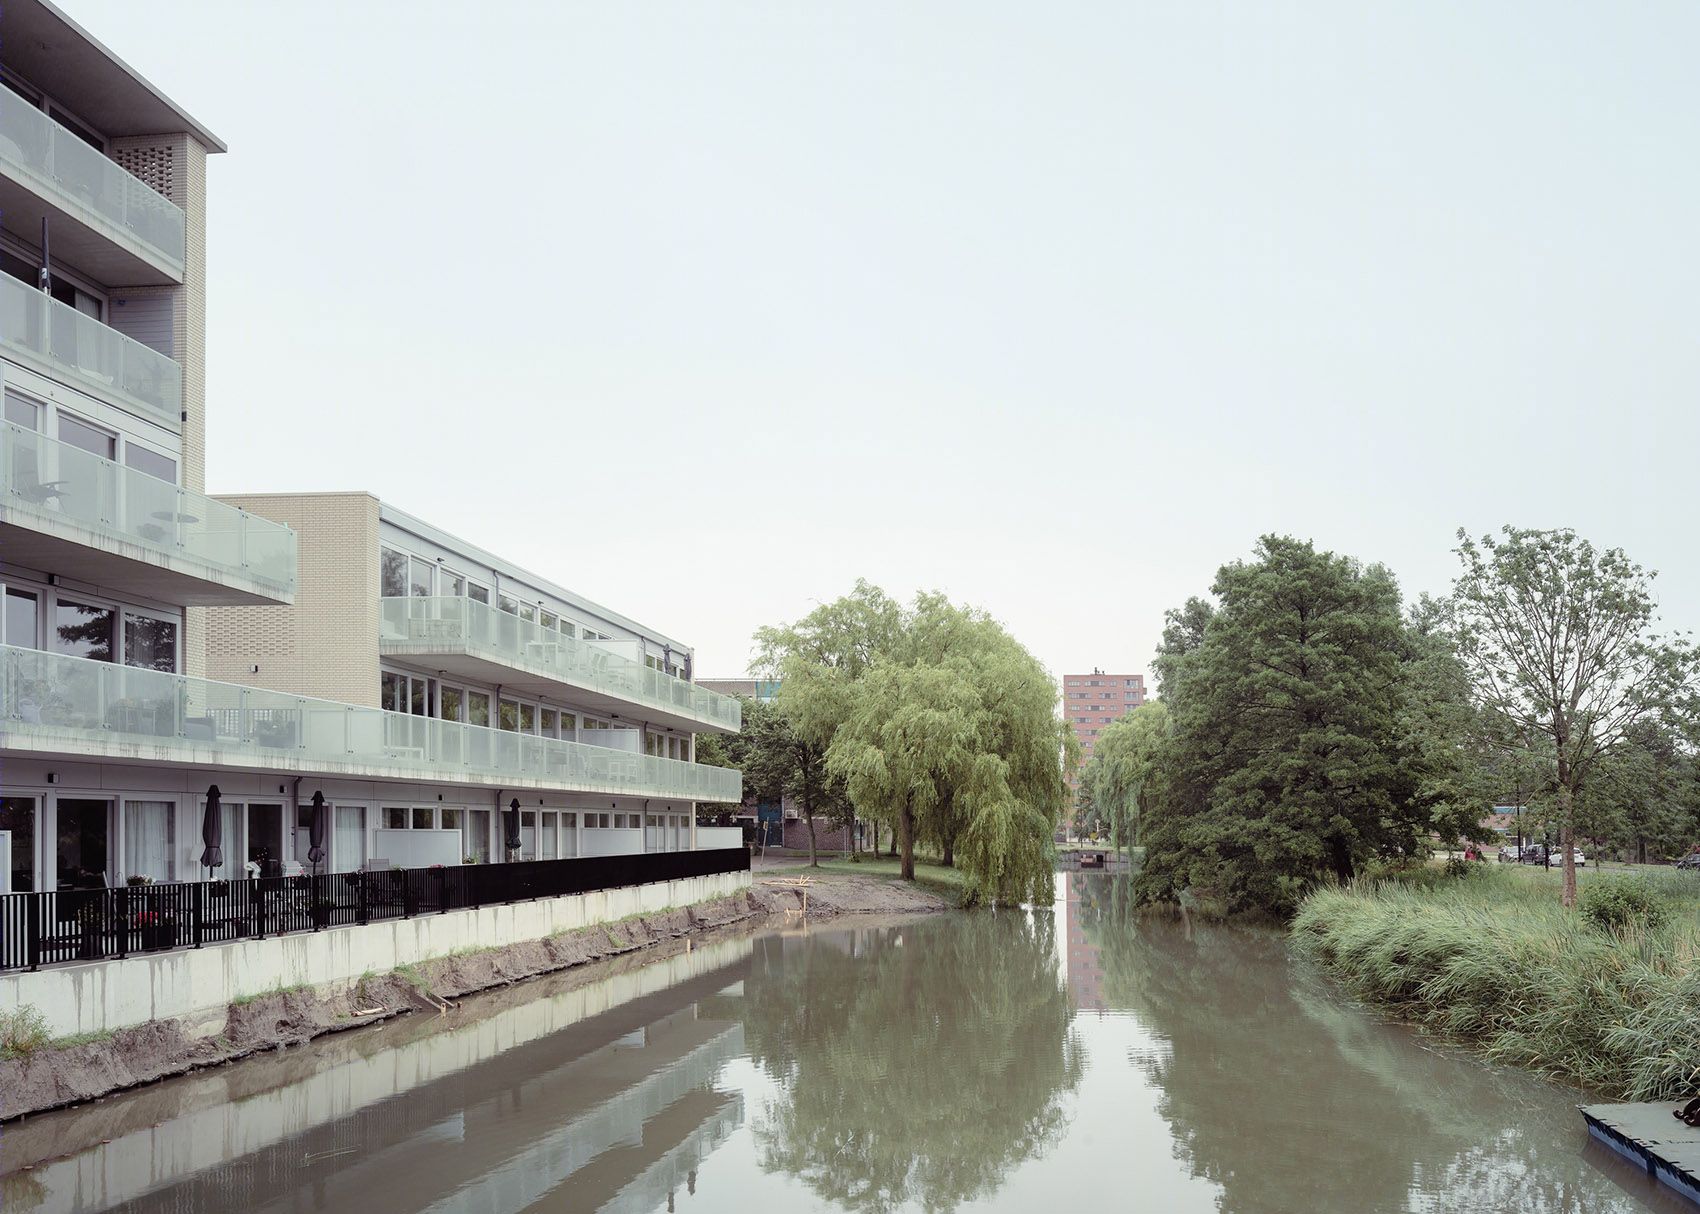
22,1032
1615,905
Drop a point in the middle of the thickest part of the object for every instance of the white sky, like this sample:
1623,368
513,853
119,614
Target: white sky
705,310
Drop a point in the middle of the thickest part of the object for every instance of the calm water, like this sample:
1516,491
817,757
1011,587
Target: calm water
1074,1058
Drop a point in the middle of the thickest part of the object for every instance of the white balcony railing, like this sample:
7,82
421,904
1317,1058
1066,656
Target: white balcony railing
78,177
45,479
49,698
431,623
58,340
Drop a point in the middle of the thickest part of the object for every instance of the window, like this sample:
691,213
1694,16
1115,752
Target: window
394,818
548,619
1074,682
451,703
419,578
23,615
392,692
349,837
477,593
424,819
568,628
509,605
77,433
150,643
546,721
454,585
82,631
477,709
1131,682
150,463
21,412
148,839
392,574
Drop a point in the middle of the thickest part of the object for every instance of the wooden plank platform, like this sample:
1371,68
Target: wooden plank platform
1648,1135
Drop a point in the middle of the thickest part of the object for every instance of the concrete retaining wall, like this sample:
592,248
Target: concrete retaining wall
197,986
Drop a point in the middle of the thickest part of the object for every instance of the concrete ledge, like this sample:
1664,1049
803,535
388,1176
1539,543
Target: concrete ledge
197,986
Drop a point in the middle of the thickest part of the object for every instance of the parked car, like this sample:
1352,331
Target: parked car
1508,855
1691,861
1534,853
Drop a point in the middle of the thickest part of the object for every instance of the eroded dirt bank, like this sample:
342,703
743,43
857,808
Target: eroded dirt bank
54,1078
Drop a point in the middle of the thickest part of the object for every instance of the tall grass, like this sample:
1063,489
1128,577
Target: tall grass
1493,959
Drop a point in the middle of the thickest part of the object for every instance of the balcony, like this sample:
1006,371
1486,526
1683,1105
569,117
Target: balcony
70,512
105,221
57,340
58,706
477,642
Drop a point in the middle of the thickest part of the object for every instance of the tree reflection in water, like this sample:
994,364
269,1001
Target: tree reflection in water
1290,1098
916,1064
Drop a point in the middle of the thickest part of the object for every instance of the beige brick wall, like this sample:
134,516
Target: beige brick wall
326,645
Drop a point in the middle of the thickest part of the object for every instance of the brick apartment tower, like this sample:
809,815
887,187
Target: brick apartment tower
1093,702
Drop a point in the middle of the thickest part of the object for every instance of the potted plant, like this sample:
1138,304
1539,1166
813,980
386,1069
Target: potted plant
159,929
135,879
91,919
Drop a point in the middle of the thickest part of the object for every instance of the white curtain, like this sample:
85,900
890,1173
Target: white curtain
348,844
148,839
228,844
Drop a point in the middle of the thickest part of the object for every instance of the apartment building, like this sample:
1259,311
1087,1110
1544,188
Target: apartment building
482,669
114,734
1093,702
110,548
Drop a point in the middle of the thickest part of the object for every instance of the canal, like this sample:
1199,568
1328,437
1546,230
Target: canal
1075,1057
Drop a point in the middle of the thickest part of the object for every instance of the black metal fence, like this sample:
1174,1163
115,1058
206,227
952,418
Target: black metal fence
88,924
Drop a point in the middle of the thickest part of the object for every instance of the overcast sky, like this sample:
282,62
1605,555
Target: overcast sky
706,310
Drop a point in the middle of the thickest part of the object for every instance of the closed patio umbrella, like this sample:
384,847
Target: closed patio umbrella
512,840
317,827
212,831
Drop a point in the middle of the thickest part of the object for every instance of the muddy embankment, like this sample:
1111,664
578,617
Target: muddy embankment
55,1077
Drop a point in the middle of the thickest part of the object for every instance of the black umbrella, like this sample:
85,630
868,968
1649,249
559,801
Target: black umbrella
513,825
212,831
316,828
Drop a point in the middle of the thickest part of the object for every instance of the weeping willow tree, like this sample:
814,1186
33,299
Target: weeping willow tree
955,741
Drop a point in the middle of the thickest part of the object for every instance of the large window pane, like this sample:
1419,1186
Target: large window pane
477,709
148,839
81,434
265,838
151,462
82,844
82,631
150,643
451,703
419,578
349,838
392,573
23,611
17,814
392,692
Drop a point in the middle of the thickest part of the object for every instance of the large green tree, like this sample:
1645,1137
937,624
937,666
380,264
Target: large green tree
1559,643
1123,767
818,661
940,724
1284,764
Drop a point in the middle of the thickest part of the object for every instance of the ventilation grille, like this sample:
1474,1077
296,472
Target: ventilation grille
153,164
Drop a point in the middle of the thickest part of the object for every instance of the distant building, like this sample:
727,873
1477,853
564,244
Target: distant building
1093,702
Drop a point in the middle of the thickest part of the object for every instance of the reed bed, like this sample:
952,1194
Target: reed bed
1491,958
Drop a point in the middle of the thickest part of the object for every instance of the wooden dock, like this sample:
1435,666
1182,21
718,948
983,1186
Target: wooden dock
1647,1134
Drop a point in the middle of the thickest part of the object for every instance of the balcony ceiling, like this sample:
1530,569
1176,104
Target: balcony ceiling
117,262
460,666
91,560
57,55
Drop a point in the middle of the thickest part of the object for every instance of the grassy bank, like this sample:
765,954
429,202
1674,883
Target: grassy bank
930,875
1491,958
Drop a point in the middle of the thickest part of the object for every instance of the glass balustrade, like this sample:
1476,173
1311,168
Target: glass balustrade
62,341
51,695
505,638
80,178
48,479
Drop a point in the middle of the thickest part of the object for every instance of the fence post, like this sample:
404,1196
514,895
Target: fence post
32,930
360,890
200,912
121,896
